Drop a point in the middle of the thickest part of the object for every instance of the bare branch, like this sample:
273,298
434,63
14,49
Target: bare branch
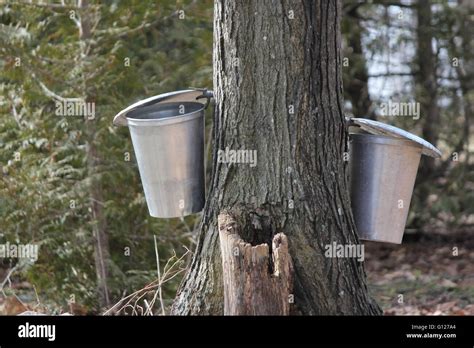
133,299
51,6
7,278
159,276
126,31
392,74
53,95
387,3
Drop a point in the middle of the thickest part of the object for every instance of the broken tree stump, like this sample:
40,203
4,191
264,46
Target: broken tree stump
256,281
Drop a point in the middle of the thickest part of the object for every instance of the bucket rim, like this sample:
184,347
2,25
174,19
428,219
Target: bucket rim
133,121
200,95
379,128
381,240
385,140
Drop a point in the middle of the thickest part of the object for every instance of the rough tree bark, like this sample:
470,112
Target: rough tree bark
278,90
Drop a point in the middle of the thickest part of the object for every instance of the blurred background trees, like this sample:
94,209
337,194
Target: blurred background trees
71,184
419,51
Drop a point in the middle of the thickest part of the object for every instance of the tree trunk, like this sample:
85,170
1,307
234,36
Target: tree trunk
466,73
427,85
278,90
99,220
358,84
99,228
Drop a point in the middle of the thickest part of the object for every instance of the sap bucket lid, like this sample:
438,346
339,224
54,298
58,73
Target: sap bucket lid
201,95
379,128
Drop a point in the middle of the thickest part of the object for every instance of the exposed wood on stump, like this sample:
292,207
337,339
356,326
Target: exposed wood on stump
257,281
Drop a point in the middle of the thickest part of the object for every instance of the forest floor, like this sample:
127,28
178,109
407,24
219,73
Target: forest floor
425,270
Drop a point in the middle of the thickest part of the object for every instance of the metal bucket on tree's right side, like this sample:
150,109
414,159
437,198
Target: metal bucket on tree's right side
383,172
383,165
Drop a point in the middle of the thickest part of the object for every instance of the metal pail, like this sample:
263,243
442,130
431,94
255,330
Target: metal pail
382,175
168,140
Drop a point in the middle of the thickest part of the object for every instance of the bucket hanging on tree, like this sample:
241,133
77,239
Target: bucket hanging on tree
384,161
167,133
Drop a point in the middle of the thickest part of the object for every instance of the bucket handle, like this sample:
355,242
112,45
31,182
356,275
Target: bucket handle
206,93
349,122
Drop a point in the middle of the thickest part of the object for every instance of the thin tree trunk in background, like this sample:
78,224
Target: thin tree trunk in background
99,221
278,90
358,86
426,89
465,73
461,56
99,228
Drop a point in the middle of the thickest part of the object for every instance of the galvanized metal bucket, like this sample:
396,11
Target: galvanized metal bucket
168,140
383,167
